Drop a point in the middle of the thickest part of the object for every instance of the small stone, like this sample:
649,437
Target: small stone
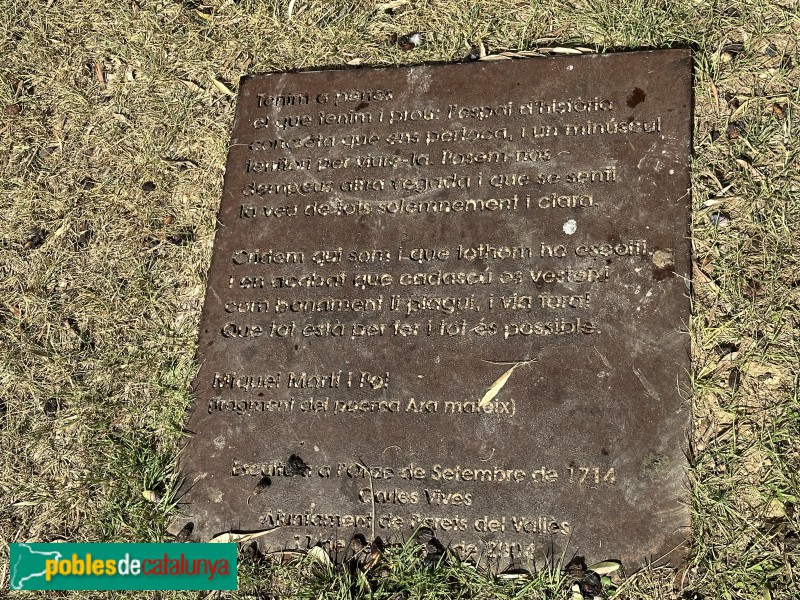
409,41
719,219
664,258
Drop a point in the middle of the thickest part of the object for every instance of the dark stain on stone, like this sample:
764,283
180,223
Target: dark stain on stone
263,484
655,466
660,274
297,466
185,533
663,260
637,97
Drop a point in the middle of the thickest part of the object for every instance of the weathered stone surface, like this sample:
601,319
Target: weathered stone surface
390,243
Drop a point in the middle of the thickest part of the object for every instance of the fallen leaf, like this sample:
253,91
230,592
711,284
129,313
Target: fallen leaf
231,537
318,555
373,558
222,88
606,567
754,173
191,85
393,5
513,575
498,385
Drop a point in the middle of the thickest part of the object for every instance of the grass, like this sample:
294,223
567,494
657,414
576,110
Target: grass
112,146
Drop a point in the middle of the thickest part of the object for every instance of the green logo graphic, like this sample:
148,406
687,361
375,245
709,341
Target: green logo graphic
123,567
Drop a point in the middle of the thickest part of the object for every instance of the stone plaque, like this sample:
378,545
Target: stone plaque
452,297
